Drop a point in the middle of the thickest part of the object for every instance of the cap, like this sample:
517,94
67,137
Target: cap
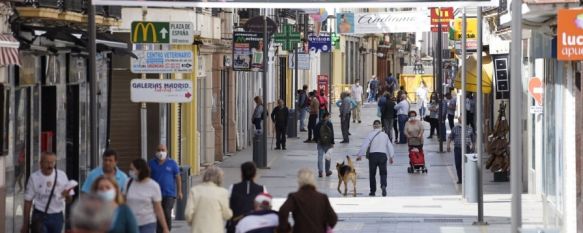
263,199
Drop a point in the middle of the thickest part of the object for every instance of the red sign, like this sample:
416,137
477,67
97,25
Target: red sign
323,83
535,88
441,15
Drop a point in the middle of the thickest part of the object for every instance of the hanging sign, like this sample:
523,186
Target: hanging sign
162,62
319,43
570,35
160,91
323,83
147,32
471,29
441,16
535,89
288,37
257,24
247,51
387,22
303,61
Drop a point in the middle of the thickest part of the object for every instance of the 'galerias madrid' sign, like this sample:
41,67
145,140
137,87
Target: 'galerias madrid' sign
387,22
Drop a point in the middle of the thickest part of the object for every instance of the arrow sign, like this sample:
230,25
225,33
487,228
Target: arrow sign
163,32
149,32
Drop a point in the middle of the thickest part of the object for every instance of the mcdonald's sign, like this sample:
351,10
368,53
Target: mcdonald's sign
443,16
150,32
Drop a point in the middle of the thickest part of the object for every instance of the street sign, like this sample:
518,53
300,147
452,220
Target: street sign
441,16
288,38
160,91
247,51
162,62
303,60
147,32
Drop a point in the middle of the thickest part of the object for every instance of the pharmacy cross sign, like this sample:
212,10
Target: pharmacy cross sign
288,38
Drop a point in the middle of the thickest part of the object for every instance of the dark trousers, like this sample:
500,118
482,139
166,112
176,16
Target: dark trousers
53,223
311,124
396,128
167,205
402,120
280,136
471,120
450,119
388,127
433,123
457,155
344,125
377,160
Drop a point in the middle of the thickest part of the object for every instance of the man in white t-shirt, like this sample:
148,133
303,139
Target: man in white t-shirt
262,219
46,194
356,93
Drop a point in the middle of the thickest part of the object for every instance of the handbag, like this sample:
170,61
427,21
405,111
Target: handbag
370,143
37,221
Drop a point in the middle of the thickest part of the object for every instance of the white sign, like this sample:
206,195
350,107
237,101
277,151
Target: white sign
386,22
161,91
471,46
181,33
161,62
536,109
303,60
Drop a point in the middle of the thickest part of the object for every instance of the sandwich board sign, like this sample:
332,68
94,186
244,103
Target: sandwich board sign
160,91
149,32
162,62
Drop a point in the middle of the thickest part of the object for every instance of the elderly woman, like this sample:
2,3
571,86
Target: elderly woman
311,209
414,131
208,204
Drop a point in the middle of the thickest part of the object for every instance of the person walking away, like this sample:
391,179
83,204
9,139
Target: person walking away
324,135
422,99
471,110
303,105
443,113
166,173
145,198
451,107
123,220
387,108
262,220
402,109
456,137
356,93
395,120
108,169
323,103
90,214
279,117
46,194
311,210
258,114
242,195
314,109
391,84
208,204
345,108
374,85
378,149
433,117
414,131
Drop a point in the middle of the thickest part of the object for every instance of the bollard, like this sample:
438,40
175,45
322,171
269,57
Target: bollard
292,124
181,204
471,178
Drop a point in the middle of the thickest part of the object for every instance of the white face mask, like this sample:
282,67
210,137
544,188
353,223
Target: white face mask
108,195
133,174
161,155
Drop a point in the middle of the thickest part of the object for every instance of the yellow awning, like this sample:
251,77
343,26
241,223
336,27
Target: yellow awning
471,74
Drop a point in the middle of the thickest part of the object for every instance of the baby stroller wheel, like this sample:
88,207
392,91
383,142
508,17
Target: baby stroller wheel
425,170
409,170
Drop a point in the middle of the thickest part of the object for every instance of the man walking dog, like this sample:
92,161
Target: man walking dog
377,147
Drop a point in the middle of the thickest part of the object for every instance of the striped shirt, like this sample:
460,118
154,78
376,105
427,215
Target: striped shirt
456,135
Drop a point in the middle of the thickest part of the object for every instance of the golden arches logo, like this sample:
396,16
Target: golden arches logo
145,30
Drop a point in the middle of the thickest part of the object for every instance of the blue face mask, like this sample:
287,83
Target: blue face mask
108,195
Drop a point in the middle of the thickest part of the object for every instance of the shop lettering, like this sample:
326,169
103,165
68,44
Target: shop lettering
570,43
372,19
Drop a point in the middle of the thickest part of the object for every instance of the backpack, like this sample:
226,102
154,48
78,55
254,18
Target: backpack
308,102
326,137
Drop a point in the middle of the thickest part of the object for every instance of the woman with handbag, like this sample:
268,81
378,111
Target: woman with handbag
124,220
311,210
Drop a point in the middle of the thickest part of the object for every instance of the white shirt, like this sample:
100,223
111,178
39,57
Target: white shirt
381,144
402,108
140,198
357,92
253,222
422,93
39,189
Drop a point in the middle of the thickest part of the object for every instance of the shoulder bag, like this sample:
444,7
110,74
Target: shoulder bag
370,144
37,221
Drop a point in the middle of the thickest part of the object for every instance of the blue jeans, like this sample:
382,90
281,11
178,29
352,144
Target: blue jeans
148,228
402,120
53,223
372,95
321,151
302,118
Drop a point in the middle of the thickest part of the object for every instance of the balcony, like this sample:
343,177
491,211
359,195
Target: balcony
60,12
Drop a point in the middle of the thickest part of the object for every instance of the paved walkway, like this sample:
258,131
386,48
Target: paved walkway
415,203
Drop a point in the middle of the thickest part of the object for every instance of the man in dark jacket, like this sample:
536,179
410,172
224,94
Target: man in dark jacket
387,109
243,194
279,116
324,135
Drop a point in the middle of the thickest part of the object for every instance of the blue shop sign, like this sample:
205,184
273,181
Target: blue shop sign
319,43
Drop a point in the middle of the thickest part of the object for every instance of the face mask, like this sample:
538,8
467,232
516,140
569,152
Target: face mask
133,174
161,155
108,195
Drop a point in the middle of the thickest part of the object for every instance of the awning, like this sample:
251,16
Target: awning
471,74
9,50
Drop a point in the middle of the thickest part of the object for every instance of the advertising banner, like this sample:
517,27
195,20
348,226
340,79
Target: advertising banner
386,22
247,51
160,91
162,62
303,60
570,35
323,83
441,16
319,43
471,29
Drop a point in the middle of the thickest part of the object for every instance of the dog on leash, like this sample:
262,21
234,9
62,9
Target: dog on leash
346,172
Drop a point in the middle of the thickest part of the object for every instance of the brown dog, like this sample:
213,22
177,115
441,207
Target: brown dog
346,173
